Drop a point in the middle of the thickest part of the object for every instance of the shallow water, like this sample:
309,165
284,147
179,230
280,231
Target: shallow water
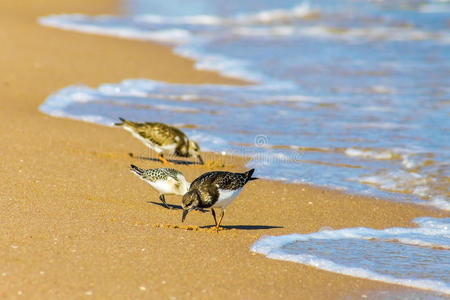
352,95
415,257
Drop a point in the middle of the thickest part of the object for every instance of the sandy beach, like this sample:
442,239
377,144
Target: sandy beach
76,223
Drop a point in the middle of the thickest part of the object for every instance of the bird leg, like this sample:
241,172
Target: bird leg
163,200
214,216
162,159
220,220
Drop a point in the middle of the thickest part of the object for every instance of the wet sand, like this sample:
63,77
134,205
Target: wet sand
76,223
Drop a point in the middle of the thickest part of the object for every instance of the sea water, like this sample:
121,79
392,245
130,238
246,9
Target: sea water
414,257
352,95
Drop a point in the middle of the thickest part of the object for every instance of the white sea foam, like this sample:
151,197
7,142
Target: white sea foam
431,8
275,15
408,162
372,154
347,34
380,89
379,125
266,16
189,44
173,36
378,108
433,234
184,20
61,99
125,89
440,202
177,108
56,104
227,66
407,182
399,180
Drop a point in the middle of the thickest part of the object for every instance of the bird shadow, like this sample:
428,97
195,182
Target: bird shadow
243,227
174,207
172,161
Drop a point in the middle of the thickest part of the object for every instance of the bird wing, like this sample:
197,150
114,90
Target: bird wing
204,179
207,188
158,133
231,181
150,175
182,141
173,173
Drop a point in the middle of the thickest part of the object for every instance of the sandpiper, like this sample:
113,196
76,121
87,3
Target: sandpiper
214,190
161,137
165,180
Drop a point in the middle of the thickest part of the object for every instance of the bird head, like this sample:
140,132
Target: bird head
194,150
190,201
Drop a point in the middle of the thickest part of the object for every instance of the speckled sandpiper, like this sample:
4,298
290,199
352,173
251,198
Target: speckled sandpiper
162,138
165,180
214,190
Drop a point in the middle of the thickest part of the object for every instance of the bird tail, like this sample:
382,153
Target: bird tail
136,170
249,174
123,122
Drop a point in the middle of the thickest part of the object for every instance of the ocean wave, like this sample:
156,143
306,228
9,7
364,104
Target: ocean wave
370,153
225,65
191,41
408,182
381,33
303,10
80,23
184,20
352,254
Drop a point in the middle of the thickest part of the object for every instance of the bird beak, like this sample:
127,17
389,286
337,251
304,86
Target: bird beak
200,159
185,212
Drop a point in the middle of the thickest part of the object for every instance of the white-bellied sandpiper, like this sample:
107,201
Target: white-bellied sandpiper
162,138
165,180
214,190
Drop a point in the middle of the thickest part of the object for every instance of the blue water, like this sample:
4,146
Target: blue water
415,257
352,95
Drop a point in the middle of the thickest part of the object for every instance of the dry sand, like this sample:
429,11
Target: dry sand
75,223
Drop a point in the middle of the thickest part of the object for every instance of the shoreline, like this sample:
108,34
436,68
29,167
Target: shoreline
243,159
77,223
